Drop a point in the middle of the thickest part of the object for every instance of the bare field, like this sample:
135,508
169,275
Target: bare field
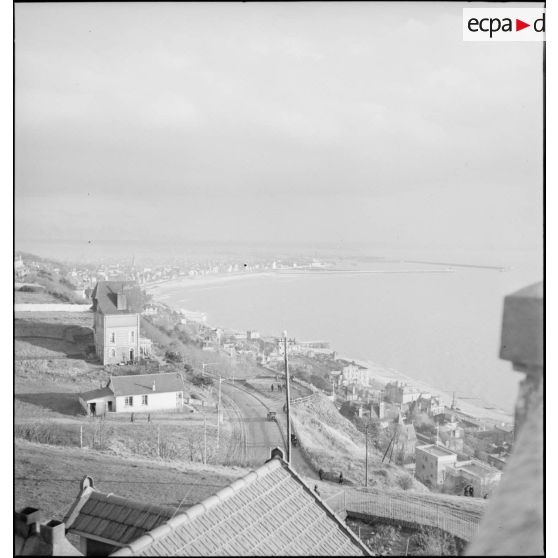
22,297
84,319
48,478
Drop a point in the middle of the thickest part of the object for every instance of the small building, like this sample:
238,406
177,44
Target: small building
117,306
105,522
405,441
136,393
431,463
452,435
479,476
252,334
400,393
355,374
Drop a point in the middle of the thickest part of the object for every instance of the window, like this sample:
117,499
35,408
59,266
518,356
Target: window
112,337
132,336
144,399
128,401
112,352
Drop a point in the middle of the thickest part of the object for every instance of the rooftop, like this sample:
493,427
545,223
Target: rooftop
143,384
96,394
105,297
269,512
438,451
479,469
112,518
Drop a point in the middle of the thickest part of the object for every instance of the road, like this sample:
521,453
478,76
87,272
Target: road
253,435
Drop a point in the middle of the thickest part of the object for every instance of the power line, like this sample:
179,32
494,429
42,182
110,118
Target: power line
179,483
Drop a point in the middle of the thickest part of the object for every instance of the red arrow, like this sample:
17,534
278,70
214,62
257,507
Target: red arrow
519,25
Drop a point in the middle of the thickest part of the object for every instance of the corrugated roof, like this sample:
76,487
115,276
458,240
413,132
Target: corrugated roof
269,512
105,296
142,384
114,518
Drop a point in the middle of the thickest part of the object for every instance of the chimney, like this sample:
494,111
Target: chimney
26,522
276,453
53,532
121,301
153,388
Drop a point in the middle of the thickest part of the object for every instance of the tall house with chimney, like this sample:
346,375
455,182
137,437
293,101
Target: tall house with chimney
117,306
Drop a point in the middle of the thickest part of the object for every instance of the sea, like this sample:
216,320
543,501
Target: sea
435,318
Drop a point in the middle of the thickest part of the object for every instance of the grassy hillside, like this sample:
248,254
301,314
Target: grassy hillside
48,478
332,443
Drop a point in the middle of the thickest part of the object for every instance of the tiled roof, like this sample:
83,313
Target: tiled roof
105,297
269,512
142,384
114,518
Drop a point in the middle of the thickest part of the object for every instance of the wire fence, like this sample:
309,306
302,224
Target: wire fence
442,515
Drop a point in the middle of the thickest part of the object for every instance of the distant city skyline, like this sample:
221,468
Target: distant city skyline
337,124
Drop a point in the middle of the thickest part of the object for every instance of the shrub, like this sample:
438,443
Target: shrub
202,381
173,356
431,542
405,482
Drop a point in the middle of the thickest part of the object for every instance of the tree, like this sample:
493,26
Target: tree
173,356
202,381
320,383
348,410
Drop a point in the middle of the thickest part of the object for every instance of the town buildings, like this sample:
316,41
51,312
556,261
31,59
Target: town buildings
401,393
355,374
136,393
452,435
437,467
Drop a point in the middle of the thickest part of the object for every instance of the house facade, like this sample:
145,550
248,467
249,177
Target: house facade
479,476
117,306
431,464
136,394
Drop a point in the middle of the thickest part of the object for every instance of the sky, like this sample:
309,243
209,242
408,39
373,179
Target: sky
303,123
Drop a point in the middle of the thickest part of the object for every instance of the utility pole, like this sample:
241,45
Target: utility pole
219,411
158,441
204,439
288,398
366,461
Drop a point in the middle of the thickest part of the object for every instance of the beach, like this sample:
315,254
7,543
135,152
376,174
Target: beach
179,293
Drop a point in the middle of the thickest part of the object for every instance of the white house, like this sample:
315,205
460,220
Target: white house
136,393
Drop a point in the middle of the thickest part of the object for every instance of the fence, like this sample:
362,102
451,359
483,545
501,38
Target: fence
411,510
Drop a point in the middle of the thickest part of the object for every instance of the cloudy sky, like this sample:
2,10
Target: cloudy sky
300,123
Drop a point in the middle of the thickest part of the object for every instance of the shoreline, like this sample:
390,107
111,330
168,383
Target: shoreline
380,373
203,280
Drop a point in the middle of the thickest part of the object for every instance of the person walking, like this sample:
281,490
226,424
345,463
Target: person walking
271,387
321,474
340,478
316,489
